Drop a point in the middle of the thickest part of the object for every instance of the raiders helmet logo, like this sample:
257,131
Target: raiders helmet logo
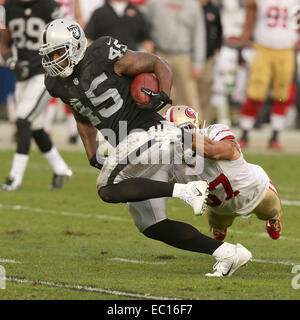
189,112
75,31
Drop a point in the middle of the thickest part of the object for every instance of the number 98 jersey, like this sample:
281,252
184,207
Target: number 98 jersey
26,22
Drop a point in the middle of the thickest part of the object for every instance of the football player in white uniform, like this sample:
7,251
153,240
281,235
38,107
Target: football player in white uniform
272,24
95,82
236,188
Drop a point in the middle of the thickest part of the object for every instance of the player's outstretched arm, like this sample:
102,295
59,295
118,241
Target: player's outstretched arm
134,63
217,150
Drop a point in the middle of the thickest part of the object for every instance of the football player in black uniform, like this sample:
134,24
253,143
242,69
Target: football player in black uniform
95,83
26,20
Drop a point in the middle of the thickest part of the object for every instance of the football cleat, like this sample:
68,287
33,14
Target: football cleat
274,227
10,185
219,234
58,180
243,143
228,265
275,145
195,194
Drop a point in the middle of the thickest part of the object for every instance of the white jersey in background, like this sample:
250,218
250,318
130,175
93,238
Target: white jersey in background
235,187
275,21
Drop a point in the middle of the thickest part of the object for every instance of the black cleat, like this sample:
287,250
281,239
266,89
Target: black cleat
58,180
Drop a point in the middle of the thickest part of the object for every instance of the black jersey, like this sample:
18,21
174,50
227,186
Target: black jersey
26,22
96,92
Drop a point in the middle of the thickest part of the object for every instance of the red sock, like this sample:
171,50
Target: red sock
251,108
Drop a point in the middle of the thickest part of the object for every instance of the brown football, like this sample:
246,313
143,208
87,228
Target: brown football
143,80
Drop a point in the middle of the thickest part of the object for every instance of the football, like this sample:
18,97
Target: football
143,80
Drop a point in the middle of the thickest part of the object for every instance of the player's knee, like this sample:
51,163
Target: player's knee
109,194
23,126
157,231
269,214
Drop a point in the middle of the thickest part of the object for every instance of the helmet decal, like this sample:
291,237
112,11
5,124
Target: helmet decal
191,113
76,33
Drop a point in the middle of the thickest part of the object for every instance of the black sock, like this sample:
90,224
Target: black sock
245,135
23,136
42,139
274,136
183,236
135,189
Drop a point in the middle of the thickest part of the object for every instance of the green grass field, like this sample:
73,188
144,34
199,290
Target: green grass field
68,244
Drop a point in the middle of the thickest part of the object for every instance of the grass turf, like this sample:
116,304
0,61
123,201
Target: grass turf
71,237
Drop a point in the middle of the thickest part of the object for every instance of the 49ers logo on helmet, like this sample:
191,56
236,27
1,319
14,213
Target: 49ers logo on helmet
189,112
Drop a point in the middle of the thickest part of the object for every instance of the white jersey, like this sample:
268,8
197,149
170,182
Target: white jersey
276,23
235,187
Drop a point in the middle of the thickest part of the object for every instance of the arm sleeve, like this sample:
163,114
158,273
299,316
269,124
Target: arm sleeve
218,132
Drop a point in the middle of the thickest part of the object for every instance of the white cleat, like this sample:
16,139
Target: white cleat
195,194
228,265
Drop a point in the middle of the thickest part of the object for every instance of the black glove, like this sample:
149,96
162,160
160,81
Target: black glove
157,100
97,161
19,68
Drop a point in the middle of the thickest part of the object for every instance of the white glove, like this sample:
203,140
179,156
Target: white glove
166,133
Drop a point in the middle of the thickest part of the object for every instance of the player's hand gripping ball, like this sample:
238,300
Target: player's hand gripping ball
143,80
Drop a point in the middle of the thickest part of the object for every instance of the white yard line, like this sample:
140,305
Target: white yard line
285,263
293,203
63,213
10,261
87,288
134,261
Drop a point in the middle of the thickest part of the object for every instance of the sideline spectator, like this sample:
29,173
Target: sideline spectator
123,21
178,32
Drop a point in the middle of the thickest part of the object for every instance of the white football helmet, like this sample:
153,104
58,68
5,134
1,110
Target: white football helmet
183,117
62,34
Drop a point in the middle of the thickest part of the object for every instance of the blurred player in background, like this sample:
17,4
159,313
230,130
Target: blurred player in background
230,75
272,25
19,48
236,188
